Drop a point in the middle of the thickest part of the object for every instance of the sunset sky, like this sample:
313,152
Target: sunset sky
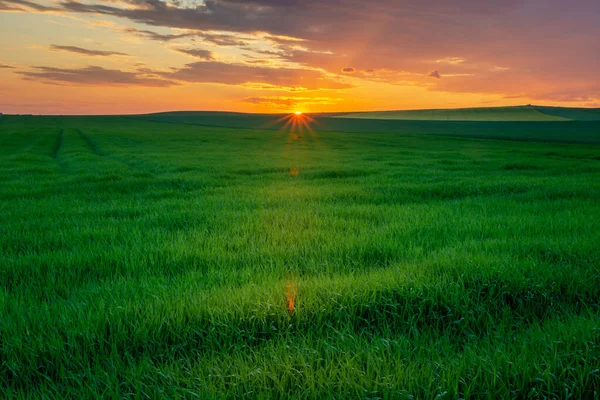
133,56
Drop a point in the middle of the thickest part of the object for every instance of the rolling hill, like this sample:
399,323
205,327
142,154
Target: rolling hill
492,114
521,123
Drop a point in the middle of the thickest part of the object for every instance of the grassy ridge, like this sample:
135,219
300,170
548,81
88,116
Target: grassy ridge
516,113
519,113
542,131
151,258
577,114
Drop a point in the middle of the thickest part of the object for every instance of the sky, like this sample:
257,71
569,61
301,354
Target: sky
138,56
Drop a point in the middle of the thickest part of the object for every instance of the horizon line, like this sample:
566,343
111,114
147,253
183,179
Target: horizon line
291,112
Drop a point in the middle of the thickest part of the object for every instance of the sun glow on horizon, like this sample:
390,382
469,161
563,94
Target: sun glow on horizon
298,113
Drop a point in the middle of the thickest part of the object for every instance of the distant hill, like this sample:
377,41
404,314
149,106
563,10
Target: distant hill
573,114
517,113
523,123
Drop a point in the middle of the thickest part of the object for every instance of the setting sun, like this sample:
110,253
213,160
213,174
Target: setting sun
298,113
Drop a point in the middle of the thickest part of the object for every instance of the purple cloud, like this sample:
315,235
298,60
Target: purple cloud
244,74
87,52
198,53
93,76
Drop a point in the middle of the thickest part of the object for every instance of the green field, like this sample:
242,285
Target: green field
517,113
154,257
583,130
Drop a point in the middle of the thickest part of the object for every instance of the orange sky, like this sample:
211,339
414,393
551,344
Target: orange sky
135,56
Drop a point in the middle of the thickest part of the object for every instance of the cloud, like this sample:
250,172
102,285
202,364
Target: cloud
572,96
348,70
24,5
93,75
198,53
157,36
87,52
217,39
258,76
4,66
546,44
262,62
283,102
252,76
4,6
516,83
451,60
223,40
272,3
435,74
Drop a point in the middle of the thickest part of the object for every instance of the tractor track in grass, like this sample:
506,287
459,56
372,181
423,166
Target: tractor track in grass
57,149
93,146
58,144
6,139
147,168
6,136
100,153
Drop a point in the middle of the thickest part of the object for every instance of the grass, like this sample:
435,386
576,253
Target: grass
519,113
494,114
152,259
576,114
566,131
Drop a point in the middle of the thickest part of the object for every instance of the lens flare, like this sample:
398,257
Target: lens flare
296,125
291,290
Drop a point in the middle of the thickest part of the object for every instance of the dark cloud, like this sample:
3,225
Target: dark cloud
223,39
271,3
240,74
157,36
87,52
24,5
435,74
263,56
4,6
198,53
199,72
348,70
219,39
210,15
308,19
93,76
4,66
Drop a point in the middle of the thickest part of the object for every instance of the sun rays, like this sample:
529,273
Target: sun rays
297,124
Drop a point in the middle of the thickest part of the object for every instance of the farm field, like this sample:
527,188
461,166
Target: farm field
213,255
515,113
512,123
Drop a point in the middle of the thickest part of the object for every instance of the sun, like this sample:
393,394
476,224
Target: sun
298,113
